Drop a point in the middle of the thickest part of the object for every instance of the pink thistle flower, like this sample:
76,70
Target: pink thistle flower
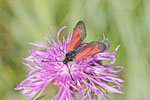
89,76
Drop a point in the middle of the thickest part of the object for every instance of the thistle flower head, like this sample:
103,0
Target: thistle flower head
84,77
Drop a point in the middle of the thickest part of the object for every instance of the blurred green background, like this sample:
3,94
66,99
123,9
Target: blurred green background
124,22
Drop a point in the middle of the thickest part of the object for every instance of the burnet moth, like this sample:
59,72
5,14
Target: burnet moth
77,50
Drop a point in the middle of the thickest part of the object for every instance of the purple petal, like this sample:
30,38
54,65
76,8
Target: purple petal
60,31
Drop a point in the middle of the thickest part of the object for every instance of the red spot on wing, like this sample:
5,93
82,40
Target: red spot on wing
87,51
95,50
76,40
83,53
73,44
77,32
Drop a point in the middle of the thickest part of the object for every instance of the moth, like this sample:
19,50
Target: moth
77,50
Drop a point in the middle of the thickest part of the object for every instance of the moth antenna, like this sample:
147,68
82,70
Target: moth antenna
51,61
61,50
70,73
